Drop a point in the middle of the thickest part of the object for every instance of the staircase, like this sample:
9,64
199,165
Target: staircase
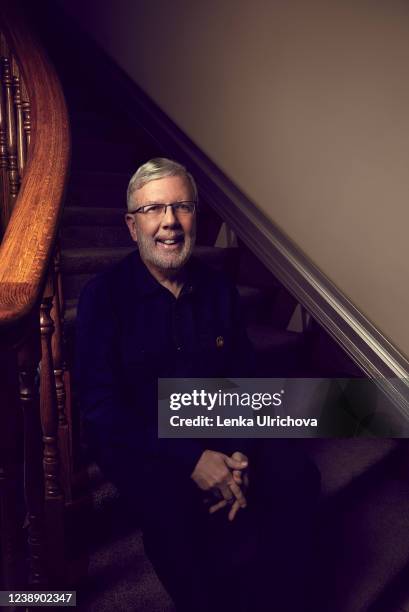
363,524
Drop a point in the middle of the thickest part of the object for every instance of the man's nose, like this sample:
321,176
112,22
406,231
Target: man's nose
169,217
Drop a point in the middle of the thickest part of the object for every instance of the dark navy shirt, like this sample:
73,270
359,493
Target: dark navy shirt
132,330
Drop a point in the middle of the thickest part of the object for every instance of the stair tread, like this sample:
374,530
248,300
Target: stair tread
78,216
70,313
90,216
245,291
373,534
82,260
264,336
73,256
80,264
137,587
342,460
112,235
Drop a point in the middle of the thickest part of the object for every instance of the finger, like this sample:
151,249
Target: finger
237,477
227,493
234,464
233,511
218,506
238,494
238,456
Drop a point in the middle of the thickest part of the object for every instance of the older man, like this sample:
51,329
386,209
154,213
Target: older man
162,313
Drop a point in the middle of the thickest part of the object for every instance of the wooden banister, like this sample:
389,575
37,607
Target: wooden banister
30,235
34,161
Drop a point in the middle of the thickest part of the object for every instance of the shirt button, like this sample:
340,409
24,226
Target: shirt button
179,348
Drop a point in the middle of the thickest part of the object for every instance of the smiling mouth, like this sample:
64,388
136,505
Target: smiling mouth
169,243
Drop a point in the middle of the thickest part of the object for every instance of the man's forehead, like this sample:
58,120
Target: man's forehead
168,188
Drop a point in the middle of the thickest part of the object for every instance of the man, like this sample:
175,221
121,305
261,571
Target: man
162,313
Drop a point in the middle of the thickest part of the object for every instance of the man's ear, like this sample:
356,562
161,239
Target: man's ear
131,223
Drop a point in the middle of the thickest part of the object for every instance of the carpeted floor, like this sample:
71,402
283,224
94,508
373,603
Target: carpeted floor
121,577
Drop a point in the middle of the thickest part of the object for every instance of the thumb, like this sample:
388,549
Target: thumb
235,464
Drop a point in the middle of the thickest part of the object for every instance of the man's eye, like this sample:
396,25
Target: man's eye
183,208
153,208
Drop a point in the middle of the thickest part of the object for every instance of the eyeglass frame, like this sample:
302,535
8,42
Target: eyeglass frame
166,206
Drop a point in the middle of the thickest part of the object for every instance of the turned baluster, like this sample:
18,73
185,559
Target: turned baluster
11,132
66,372
58,280
4,178
21,139
58,359
28,359
54,501
26,113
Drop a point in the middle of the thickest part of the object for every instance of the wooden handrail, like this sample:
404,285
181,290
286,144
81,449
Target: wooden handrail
30,235
34,159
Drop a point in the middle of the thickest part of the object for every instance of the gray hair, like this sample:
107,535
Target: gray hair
157,168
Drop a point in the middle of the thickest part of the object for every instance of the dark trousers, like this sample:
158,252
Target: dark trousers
259,562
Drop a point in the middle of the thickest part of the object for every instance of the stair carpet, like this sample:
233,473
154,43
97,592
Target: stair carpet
93,237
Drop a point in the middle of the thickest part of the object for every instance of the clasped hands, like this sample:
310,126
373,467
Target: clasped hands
226,477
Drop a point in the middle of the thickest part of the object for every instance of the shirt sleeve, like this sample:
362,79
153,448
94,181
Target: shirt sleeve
116,439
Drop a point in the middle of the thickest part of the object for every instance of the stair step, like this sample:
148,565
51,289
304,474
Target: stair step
268,339
96,236
250,296
73,284
79,265
98,188
222,259
254,304
278,352
253,272
84,216
85,221
84,260
124,576
365,535
89,226
341,461
70,313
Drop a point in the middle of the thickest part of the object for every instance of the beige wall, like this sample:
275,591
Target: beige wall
305,105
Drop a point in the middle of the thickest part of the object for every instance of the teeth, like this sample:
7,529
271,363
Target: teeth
169,241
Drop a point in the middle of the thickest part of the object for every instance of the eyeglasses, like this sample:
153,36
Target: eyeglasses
179,209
